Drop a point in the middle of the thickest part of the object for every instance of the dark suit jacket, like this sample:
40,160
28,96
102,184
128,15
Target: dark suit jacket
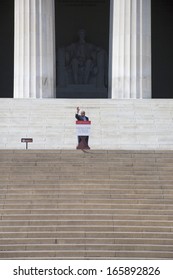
79,118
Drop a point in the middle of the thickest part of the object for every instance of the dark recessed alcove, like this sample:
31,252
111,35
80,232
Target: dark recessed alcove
162,48
71,16
6,48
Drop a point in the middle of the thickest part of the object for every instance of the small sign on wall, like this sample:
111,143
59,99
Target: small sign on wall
26,140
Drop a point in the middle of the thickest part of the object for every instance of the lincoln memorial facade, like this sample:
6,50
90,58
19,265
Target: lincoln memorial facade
117,49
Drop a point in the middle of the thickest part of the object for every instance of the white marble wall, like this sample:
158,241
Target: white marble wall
34,49
130,49
116,124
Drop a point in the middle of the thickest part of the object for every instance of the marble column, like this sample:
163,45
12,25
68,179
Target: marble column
34,49
130,49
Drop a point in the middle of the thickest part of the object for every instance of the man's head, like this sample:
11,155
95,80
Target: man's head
82,113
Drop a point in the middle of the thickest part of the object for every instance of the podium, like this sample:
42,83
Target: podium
83,132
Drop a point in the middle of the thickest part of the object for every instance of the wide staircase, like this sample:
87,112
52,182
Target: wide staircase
97,204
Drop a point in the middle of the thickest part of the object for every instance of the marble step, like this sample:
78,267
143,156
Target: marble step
73,177
144,213
48,153
88,227
15,241
86,197
109,186
15,223
141,184
80,190
86,176
85,206
86,254
71,172
91,203
82,247
60,235
85,217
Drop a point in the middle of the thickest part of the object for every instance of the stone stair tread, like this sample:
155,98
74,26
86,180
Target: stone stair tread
90,206
83,216
75,233
88,254
86,228
9,243
83,190
86,247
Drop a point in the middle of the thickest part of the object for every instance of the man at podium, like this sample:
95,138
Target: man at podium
81,117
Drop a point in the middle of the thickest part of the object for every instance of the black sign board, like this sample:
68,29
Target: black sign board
26,140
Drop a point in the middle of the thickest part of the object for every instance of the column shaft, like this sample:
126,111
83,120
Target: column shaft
34,49
130,49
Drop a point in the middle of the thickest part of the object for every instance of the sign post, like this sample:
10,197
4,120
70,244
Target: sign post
26,140
83,132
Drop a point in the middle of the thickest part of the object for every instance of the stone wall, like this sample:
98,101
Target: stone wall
116,124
